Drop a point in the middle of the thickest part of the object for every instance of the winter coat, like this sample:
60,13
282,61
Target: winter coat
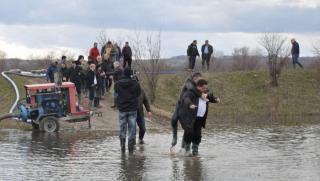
118,55
186,115
128,91
91,75
100,80
126,52
94,53
52,69
210,49
75,74
192,50
295,48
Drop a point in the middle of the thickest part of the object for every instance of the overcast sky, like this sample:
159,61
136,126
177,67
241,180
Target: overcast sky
34,27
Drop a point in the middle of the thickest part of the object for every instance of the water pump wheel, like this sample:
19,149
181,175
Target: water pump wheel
49,124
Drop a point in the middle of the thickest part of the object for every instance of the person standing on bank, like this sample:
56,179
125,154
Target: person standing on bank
206,52
192,53
127,55
295,51
193,114
128,91
91,83
94,53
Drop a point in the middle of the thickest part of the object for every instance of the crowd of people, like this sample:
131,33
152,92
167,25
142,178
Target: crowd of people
95,77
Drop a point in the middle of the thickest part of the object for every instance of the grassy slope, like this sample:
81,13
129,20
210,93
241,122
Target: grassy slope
7,97
248,94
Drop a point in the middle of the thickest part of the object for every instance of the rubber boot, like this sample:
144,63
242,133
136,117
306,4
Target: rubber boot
183,144
174,136
195,149
96,102
91,105
123,145
187,148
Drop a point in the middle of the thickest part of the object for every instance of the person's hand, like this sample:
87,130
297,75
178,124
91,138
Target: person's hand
205,97
149,114
218,100
192,106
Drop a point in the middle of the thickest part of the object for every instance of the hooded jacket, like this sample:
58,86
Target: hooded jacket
128,91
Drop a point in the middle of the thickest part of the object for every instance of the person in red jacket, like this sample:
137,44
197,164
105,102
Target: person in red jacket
94,52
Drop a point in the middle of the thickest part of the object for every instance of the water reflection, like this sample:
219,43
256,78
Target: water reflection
229,153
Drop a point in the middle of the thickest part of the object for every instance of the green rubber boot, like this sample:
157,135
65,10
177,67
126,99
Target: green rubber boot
195,149
174,136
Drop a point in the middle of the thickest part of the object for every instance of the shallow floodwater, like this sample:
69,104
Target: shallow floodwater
237,153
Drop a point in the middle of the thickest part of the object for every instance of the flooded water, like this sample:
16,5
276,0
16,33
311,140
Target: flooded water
237,153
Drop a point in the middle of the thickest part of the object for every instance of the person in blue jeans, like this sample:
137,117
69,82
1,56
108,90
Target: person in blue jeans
295,51
128,91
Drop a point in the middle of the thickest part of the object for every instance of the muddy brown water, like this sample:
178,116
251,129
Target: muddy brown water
226,153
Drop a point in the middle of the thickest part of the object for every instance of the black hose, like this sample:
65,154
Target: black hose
7,116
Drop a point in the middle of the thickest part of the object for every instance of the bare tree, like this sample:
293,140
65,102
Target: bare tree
316,48
102,38
146,51
243,59
69,53
278,54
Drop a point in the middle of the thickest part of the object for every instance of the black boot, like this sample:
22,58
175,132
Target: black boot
195,149
96,102
123,145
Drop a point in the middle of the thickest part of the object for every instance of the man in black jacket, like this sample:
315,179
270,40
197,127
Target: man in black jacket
295,51
192,53
127,55
193,114
128,91
91,83
206,52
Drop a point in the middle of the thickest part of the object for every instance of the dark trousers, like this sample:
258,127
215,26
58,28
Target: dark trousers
192,62
108,84
193,133
92,91
141,124
175,118
127,60
206,61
